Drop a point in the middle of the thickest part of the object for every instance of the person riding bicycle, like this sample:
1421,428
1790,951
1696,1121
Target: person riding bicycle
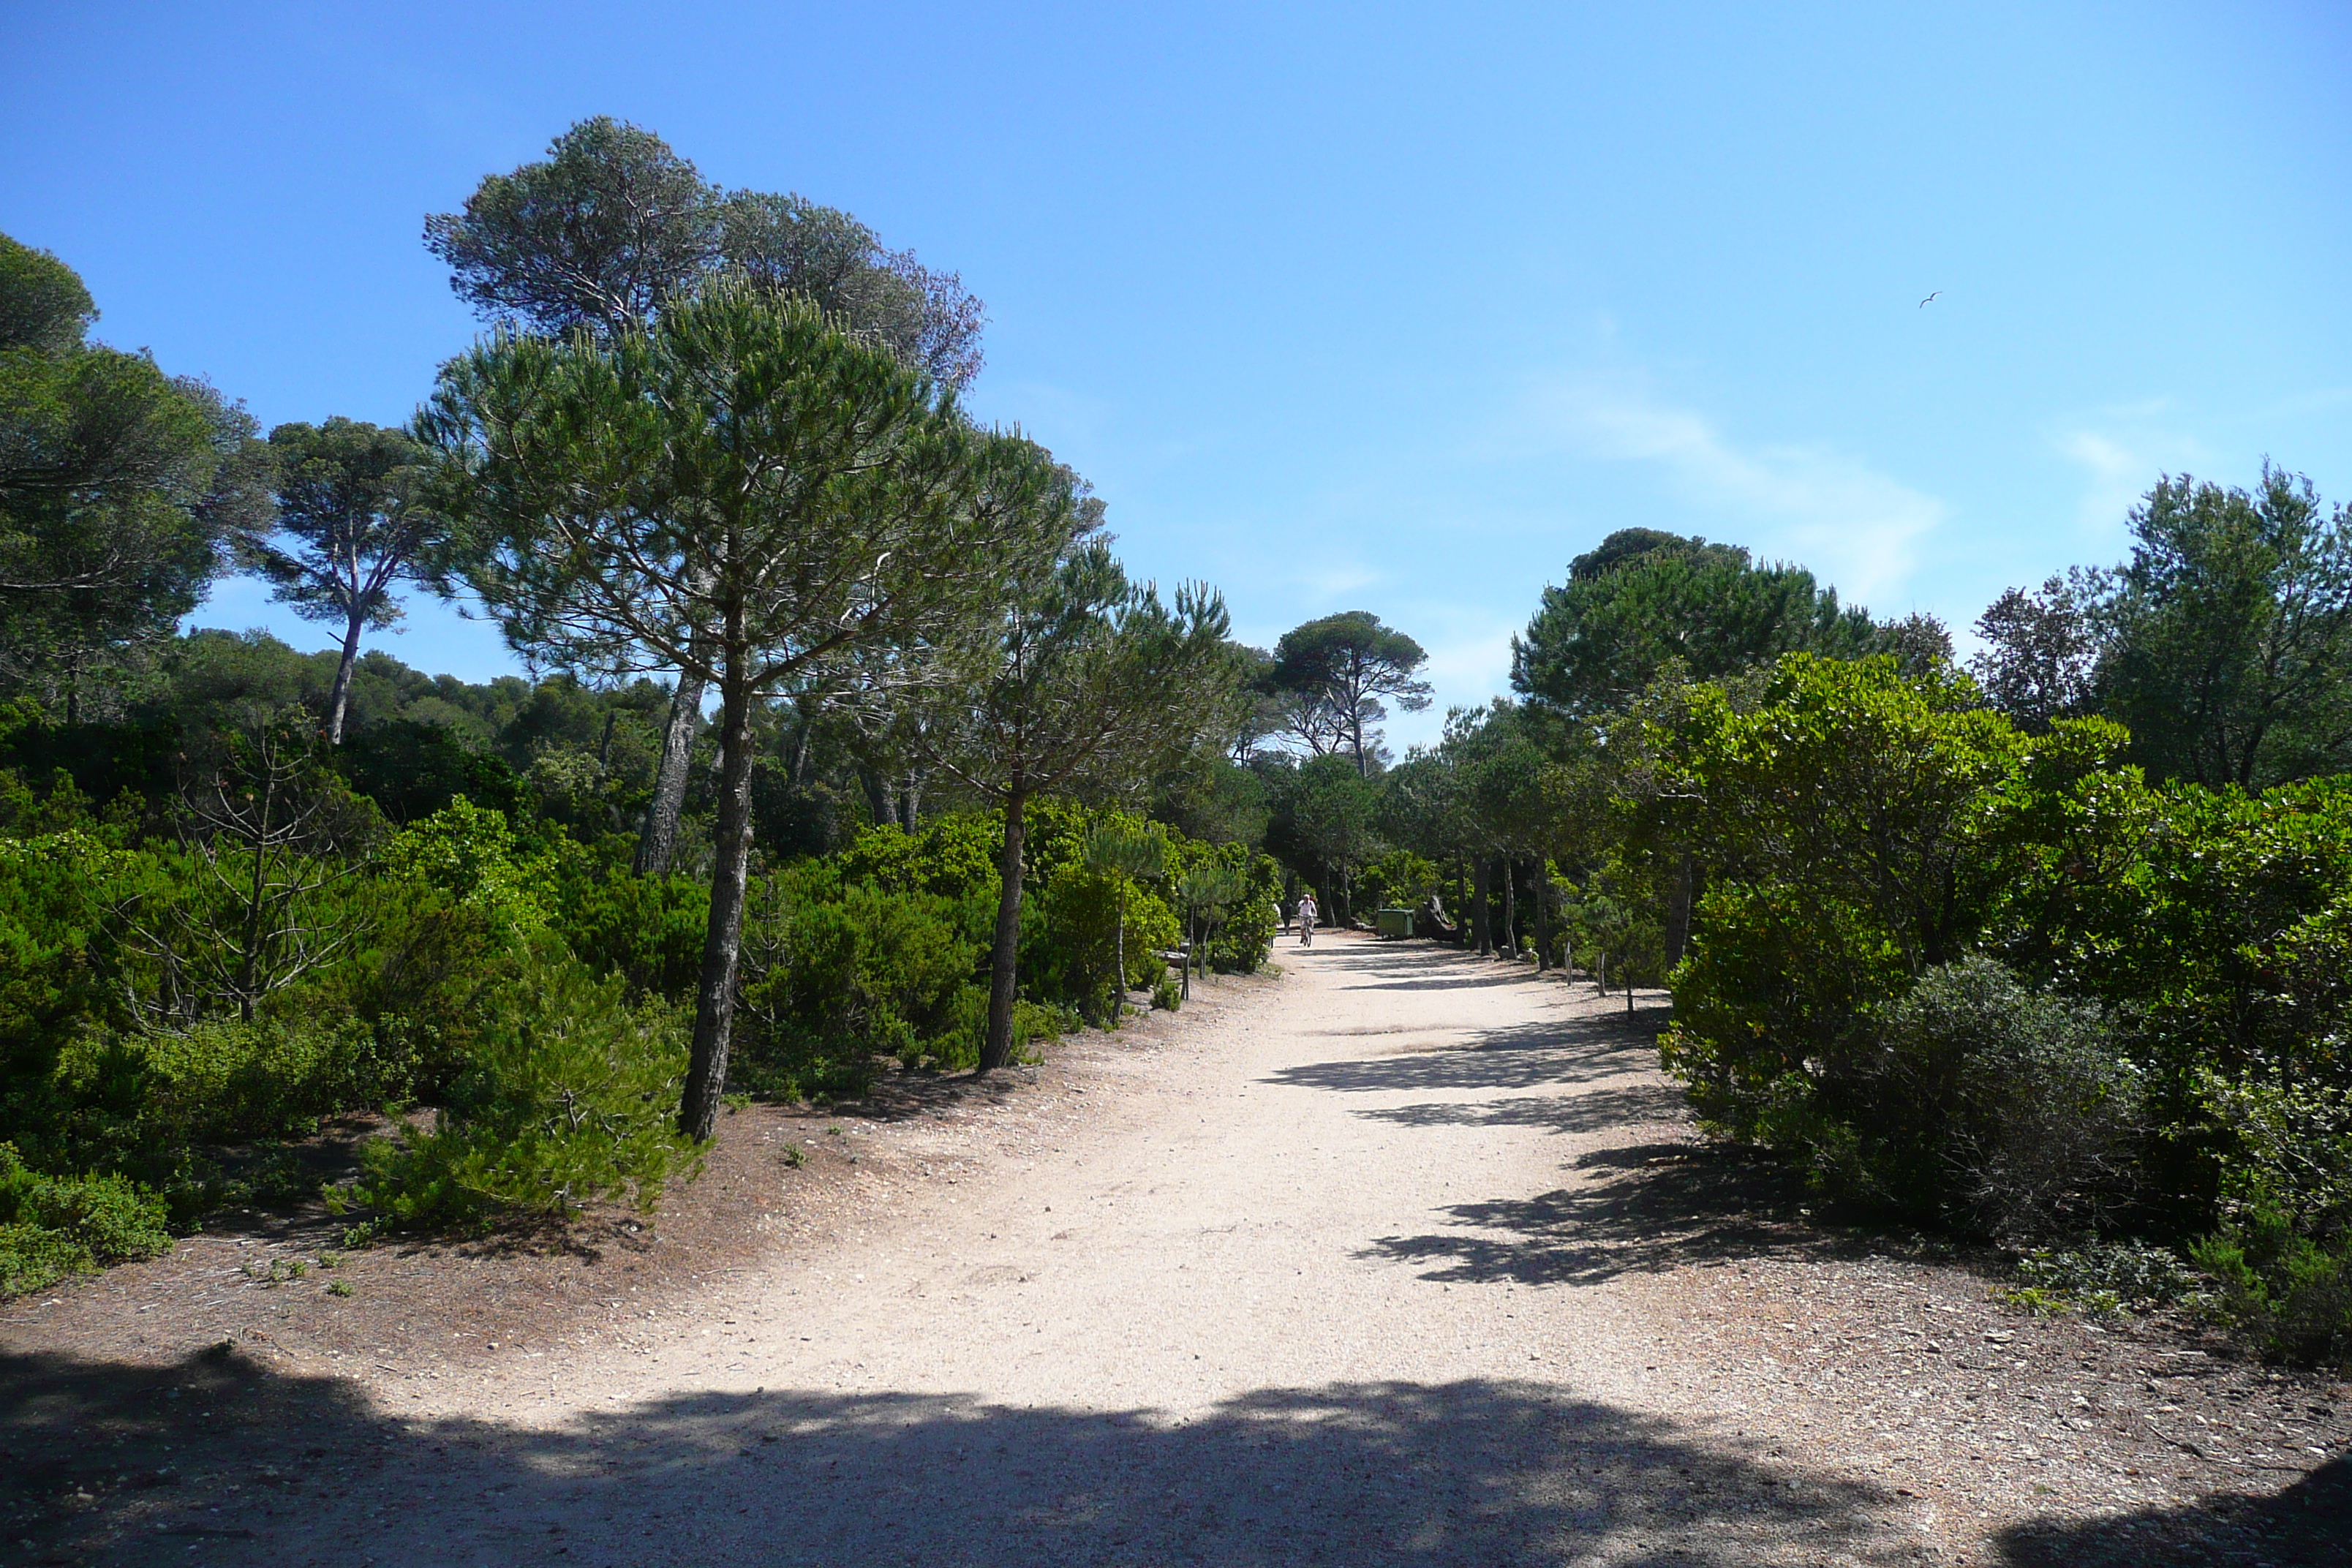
1306,918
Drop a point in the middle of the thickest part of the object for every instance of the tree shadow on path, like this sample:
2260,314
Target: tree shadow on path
2308,1525
1650,1208
265,1467
1521,1056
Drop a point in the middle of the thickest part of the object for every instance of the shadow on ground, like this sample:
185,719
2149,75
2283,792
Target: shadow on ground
1525,1056
2308,1525
1649,1207
219,1460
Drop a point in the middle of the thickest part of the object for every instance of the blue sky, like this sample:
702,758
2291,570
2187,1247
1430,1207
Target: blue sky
1343,307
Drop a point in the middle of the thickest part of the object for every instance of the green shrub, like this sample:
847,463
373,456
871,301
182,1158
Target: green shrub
1034,1021
2106,1277
649,930
570,1099
1169,994
469,854
1069,938
838,972
2282,1251
51,1226
58,894
1988,1107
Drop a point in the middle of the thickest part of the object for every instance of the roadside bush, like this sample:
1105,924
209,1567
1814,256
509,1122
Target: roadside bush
1244,934
571,1099
222,1081
1987,1107
2109,1277
51,1226
1974,1104
1069,938
2282,1251
649,930
837,973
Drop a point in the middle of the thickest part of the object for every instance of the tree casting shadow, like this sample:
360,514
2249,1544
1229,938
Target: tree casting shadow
2307,1525
1667,1205
219,1460
1524,1055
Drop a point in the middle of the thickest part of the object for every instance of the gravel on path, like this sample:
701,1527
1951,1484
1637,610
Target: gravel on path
1407,1259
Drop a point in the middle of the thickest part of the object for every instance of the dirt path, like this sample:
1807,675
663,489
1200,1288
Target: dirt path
1349,1274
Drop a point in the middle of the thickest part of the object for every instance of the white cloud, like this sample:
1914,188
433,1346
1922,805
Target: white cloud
1852,525
2122,450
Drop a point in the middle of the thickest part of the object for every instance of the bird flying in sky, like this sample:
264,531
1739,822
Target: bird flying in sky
1931,299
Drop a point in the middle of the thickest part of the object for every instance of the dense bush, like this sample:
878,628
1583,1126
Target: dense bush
2282,1252
1977,1104
51,1226
570,1099
1996,981
1069,937
439,924
838,972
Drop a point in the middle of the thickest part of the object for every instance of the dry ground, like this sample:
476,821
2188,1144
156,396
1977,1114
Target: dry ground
1403,1259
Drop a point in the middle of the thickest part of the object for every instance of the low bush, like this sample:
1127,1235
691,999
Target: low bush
51,1226
2282,1252
1986,1107
2107,1276
647,929
1070,937
837,973
571,1099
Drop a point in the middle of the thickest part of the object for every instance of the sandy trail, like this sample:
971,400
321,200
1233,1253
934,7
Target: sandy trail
1198,1324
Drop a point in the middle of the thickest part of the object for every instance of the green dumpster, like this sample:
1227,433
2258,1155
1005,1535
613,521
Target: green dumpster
1395,922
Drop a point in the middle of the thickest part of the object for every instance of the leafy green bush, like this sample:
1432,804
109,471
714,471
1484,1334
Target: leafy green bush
837,973
230,1080
1399,878
59,892
1984,1105
649,930
469,854
51,1226
2282,1252
2106,1277
1069,937
571,1099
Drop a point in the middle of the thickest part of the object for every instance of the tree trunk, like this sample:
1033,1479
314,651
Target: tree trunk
657,839
1191,947
1002,975
1482,929
1678,909
1510,907
1542,891
800,748
722,945
340,698
878,804
1119,956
